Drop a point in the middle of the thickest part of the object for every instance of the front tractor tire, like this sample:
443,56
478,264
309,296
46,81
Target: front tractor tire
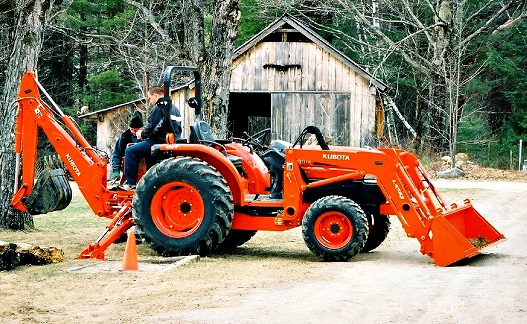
335,228
379,227
183,206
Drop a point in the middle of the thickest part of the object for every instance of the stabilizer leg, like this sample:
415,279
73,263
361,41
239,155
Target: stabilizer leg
120,223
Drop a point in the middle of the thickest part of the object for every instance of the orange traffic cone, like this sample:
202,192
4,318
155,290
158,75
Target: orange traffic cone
130,253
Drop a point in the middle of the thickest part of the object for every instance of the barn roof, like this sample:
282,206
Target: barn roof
133,102
288,21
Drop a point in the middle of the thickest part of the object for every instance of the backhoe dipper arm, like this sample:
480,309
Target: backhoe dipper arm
85,165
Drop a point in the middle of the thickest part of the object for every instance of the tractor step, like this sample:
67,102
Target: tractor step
254,200
252,197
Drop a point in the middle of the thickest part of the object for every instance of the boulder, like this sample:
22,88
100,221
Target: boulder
451,173
447,160
461,157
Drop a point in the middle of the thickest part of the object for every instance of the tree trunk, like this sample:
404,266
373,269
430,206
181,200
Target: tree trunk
82,80
15,254
6,28
24,54
193,17
439,94
217,66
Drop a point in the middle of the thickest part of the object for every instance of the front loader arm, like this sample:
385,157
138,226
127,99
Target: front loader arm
446,233
85,165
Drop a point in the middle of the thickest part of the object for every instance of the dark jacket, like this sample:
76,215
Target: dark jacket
121,144
154,129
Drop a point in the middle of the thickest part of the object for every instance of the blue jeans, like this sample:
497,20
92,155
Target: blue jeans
132,156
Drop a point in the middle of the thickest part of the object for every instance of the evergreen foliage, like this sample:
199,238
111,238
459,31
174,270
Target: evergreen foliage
498,100
251,22
97,53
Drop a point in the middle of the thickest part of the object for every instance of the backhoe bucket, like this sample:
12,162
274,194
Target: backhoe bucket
51,192
460,233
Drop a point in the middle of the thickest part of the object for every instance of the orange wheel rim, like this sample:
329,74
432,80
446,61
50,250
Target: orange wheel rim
333,230
177,209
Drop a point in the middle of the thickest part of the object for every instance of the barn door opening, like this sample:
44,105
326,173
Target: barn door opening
248,112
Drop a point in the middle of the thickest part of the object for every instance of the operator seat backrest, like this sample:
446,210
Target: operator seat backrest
200,131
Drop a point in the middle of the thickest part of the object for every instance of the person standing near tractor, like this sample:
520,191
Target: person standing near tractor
127,137
154,132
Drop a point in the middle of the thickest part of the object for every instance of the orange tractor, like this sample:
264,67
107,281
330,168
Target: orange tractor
203,194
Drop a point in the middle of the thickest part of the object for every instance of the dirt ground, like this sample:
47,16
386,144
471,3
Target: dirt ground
274,278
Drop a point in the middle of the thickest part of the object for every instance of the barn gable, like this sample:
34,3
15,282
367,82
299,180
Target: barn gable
289,30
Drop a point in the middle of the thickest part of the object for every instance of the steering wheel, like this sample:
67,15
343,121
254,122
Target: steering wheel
258,139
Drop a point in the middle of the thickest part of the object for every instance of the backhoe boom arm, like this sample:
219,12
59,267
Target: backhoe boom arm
85,165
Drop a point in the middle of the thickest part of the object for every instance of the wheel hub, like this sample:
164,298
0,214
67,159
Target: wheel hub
333,230
177,209
185,207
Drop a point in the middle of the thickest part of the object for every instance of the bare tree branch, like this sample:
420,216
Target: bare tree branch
487,23
393,45
150,18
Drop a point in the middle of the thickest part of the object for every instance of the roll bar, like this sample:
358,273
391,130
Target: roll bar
167,80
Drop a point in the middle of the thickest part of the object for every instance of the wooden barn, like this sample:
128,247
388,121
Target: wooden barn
286,77
291,75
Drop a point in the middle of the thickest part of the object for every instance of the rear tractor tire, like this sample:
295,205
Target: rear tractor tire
183,206
335,228
236,238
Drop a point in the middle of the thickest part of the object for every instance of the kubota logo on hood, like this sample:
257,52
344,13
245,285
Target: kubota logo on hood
342,157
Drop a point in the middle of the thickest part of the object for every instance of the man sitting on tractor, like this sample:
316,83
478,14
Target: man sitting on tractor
127,137
154,132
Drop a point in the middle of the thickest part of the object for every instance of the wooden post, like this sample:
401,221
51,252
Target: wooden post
520,155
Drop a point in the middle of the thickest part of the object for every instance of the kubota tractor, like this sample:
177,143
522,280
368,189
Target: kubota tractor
203,194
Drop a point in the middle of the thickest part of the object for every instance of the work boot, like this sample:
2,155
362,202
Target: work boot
115,177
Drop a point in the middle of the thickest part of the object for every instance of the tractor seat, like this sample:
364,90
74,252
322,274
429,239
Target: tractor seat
200,133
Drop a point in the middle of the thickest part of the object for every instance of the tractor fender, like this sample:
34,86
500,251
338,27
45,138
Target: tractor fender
259,179
214,158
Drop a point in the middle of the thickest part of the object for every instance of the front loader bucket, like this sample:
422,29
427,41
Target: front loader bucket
460,233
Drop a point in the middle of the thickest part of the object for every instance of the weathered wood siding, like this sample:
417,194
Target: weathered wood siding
324,92
328,111
111,125
180,98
